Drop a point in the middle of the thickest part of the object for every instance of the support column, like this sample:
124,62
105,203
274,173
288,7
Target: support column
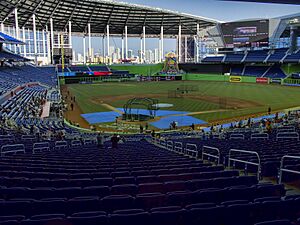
122,49
141,51
17,24
29,47
293,38
17,29
103,45
2,27
84,50
52,40
34,38
48,45
108,50
90,43
70,34
126,43
159,50
44,44
24,40
162,42
144,43
197,44
179,44
185,49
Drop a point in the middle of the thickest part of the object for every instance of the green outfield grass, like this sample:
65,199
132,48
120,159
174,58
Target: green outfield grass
260,97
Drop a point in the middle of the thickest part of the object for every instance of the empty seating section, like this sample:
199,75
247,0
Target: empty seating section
138,183
293,57
256,71
275,72
79,68
12,77
7,56
213,59
277,55
237,70
234,57
25,104
256,56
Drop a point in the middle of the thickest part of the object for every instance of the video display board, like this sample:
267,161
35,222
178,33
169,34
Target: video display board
246,34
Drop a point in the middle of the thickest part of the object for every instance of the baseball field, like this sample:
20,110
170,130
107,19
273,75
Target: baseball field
211,102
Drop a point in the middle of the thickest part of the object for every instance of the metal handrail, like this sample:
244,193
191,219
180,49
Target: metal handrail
263,136
178,147
287,170
170,145
163,142
237,137
246,162
218,156
280,135
188,150
40,146
15,150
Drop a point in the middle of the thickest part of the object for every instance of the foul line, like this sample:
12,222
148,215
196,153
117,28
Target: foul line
112,108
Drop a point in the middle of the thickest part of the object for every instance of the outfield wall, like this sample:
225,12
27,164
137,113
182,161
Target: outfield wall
218,77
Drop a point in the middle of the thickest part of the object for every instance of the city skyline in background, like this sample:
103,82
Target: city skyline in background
218,10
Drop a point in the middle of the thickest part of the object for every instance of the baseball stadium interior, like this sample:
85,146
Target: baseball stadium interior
204,134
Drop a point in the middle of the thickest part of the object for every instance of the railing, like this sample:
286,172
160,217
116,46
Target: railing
282,169
61,145
178,147
191,150
287,135
12,149
258,164
260,136
41,146
76,143
237,137
28,138
170,145
205,150
89,142
163,142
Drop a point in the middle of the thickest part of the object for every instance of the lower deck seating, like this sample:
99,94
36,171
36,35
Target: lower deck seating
137,184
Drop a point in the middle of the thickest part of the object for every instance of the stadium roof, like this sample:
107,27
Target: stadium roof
293,2
4,38
99,13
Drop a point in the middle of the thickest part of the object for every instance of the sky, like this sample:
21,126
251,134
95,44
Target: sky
214,9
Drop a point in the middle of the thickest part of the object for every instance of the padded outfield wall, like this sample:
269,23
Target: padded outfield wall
218,77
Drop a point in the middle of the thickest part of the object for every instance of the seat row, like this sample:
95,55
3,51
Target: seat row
226,213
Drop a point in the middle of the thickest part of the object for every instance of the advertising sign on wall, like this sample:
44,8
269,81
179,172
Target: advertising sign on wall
262,80
235,79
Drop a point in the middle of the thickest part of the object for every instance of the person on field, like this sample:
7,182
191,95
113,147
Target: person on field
72,106
193,126
269,111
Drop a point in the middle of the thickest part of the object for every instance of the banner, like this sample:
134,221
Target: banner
276,80
235,79
262,80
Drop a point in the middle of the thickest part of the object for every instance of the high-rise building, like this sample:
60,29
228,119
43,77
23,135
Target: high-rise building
130,54
149,56
118,53
111,50
156,55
